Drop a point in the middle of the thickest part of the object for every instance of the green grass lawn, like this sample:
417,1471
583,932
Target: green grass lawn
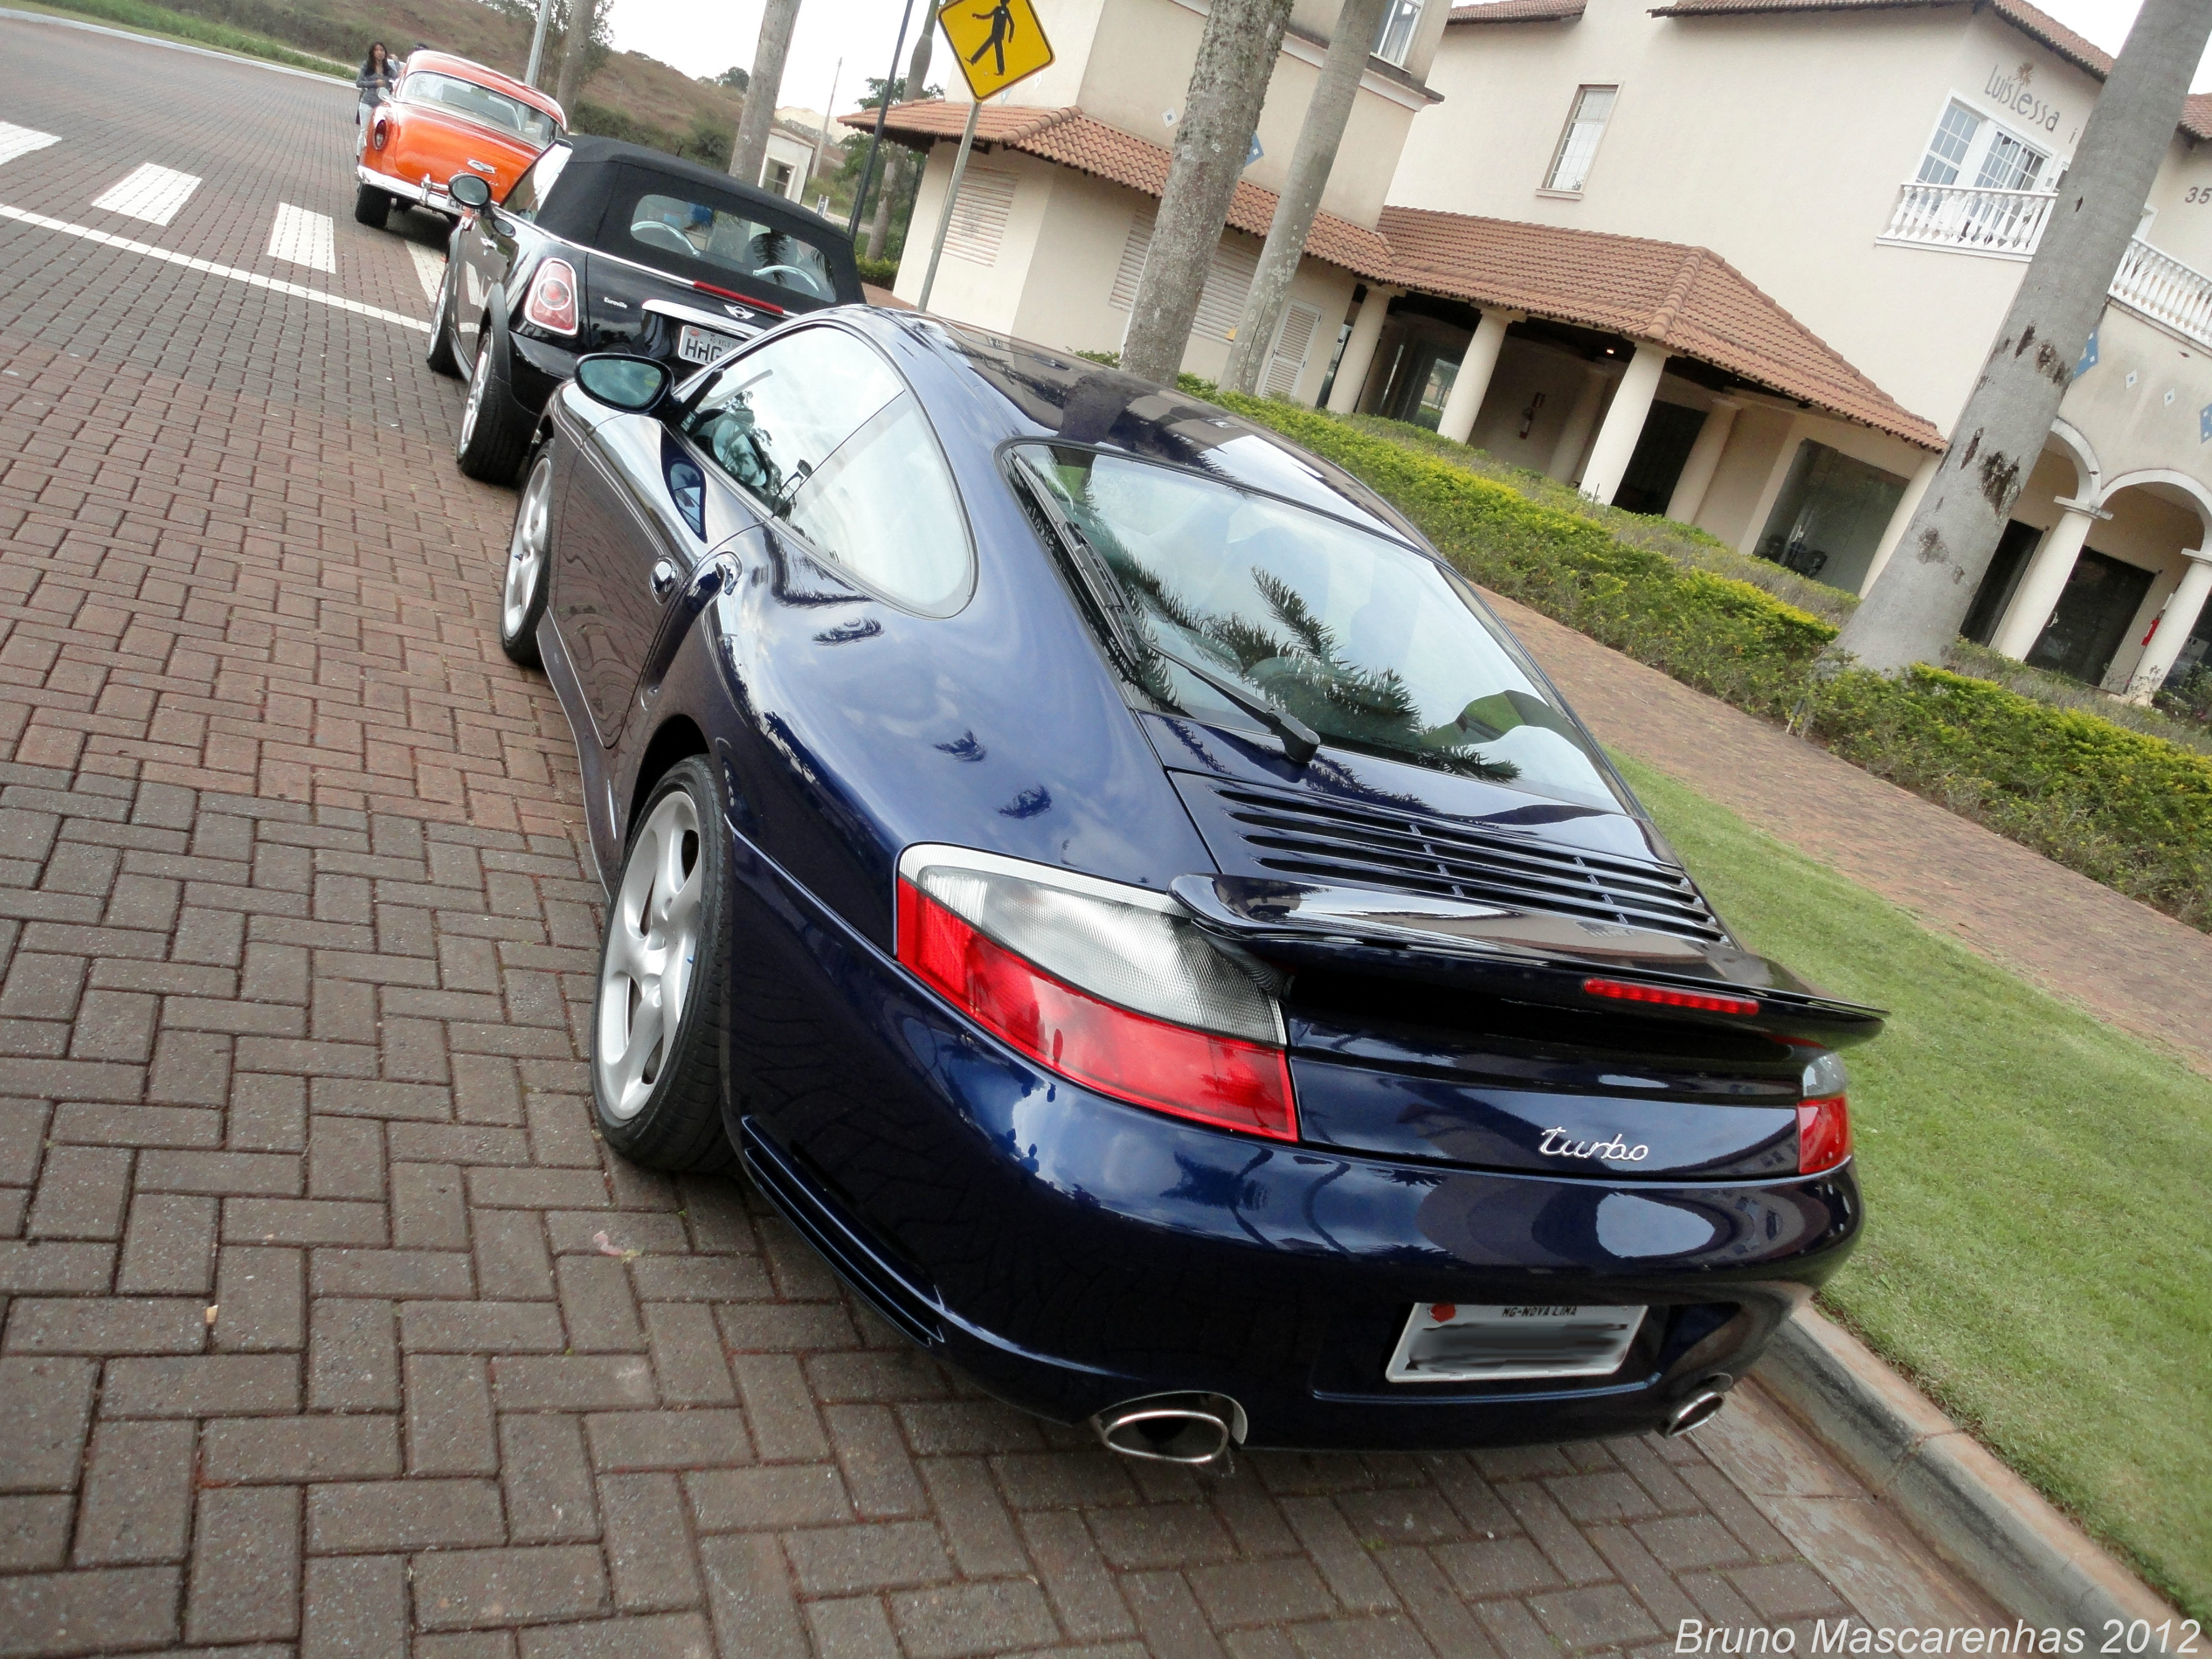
140,18
2039,1246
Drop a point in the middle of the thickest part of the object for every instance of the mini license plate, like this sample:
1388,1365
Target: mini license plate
1448,1342
703,345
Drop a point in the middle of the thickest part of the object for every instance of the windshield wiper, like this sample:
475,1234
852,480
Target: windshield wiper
1300,741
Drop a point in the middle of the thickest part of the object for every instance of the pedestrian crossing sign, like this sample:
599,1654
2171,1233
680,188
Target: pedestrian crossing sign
996,42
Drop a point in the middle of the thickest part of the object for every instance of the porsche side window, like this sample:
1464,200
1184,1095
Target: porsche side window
821,431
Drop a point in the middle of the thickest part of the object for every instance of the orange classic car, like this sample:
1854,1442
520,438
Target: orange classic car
449,116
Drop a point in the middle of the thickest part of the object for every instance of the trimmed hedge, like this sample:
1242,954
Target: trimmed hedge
2127,809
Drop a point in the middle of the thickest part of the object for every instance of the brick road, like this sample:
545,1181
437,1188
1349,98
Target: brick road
329,1327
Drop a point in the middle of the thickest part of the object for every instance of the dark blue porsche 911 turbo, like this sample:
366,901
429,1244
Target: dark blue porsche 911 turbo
1130,905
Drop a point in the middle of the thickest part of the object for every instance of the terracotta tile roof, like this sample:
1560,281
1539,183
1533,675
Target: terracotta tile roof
1518,11
1687,299
1073,139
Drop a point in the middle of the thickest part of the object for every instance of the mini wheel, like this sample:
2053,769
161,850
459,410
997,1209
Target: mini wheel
440,354
494,432
528,568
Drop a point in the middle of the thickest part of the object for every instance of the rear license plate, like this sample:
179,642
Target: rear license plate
703,345
1463,1343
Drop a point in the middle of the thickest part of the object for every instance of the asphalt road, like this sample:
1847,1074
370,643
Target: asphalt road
328,1327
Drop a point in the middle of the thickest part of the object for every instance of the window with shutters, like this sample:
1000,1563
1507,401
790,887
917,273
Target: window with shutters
1293,341
979,216
1220,302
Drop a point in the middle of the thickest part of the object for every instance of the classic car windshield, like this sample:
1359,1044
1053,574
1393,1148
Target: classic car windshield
480,104
1376,646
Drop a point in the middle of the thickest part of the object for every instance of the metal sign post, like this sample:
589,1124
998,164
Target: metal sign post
1009,35
537,42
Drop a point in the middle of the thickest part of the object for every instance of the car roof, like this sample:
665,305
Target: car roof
592,154
1042,392
467,69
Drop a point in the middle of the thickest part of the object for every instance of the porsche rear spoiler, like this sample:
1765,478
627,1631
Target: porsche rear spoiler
1528,955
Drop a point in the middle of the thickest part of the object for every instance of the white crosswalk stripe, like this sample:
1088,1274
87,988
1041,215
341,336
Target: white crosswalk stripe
251,278
22,141
148,192
301,238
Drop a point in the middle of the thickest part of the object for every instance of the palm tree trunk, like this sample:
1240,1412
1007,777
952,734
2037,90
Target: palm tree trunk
1357,26
749,151
1913,611
1227,84
583,17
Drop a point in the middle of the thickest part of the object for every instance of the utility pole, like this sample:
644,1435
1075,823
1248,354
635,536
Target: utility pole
917,85
1915,607
1357,27
882,114
821,133
749,151
537,42
1221,110
583,17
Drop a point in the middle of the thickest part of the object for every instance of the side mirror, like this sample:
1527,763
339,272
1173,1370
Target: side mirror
621,381
468,190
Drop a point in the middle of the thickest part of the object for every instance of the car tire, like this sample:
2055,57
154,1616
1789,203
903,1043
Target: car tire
529,575
657,1019
495,433
371,205
440,354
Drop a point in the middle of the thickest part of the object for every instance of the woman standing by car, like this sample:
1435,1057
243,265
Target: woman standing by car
375,82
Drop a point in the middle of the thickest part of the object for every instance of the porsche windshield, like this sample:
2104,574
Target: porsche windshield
1373,646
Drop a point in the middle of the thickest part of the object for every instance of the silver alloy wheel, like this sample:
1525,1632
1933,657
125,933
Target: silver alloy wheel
474,406
525,549
652,946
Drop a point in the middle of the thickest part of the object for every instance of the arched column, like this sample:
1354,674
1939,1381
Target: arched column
1472,384
2175,623
2045,578
1704,458
1353,369
1624,422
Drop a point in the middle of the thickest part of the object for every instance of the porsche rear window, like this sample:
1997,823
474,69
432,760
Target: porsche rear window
1377,646
713,235
480,104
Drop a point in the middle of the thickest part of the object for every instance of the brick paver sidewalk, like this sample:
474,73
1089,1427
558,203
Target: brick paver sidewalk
329,1326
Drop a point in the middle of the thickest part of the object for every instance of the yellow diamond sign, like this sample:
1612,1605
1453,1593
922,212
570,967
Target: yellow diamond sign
998,43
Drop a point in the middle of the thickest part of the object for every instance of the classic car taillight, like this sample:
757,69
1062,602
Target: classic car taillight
379,133
1109,986
552,301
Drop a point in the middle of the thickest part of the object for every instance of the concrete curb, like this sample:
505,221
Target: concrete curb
171,46
1990,1524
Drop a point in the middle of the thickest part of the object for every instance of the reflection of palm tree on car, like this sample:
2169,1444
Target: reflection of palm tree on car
1002,20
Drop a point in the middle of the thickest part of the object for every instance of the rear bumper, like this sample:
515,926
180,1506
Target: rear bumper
426,193
1070,1252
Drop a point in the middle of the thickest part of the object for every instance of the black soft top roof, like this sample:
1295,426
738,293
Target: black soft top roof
573,210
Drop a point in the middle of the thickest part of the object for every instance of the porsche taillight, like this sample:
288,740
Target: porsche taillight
1109,987
1824,1116
552,299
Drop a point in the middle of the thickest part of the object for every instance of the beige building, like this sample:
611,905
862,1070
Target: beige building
1737,261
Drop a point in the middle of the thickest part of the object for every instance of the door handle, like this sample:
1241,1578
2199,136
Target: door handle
665,578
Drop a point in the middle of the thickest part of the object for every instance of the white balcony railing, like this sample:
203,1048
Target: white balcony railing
2166,291
2010,222
1999,221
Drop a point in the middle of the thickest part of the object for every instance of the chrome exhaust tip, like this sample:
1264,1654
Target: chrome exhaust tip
1701,1407
1195,1430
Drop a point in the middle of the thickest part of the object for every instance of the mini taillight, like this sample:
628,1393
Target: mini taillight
1665,996
552,302
1123,996
1824,1135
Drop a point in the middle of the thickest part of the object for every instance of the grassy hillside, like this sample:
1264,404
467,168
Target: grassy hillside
642,88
